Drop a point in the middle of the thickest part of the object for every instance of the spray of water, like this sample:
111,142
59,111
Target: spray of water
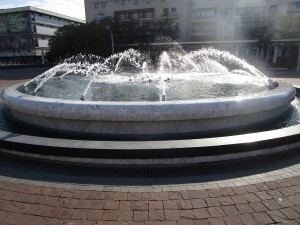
171,65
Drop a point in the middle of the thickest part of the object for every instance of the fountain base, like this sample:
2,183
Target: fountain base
148,118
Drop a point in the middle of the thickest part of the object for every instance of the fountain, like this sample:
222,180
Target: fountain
129,98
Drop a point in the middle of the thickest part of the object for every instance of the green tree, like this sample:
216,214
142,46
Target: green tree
290,26
88,38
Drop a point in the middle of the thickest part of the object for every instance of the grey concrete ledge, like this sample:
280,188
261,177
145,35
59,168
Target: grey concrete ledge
151,153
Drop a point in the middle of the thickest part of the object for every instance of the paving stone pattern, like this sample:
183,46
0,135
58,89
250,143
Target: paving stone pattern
272,202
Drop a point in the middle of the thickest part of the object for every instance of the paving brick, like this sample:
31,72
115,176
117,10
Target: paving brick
263,195
80,214
110,204
201,194
140,216
69,203
155,205
214,193
187,195
275,194
230,210
263,218
240,190
120,196
185,222
201,222
94,215
212,202
93,195
148,196
168,223
201,213
67,194
125,215
171,214
3,203
160,196
3,215
239,199
175,195
251,188
156,215
290,213
216,212
283,202
287,192
216,221
232,220
187,214
107,195
140,205
50,211
65,213
90,204
110,215
272,184
251,197
244,209
171,204
227,191
294,199
271,204
126,205
184,204
248,219
31,220
276,216
24,197
258,206
297,208
198,203
262,187
134,196
226,201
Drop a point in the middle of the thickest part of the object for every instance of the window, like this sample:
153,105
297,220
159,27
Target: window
294,7
203,27
243,12
273,9
229,12
200,13
166,12
173,11
259,11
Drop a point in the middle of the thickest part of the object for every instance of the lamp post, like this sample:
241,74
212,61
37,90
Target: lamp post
112,39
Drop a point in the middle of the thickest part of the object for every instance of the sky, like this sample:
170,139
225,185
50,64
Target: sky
73,8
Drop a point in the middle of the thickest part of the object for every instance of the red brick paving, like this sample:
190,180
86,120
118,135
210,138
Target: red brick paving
276,202
273,202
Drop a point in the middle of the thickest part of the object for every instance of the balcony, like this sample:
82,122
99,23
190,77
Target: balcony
172,15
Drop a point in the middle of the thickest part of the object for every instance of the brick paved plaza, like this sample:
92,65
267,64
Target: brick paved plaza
268,197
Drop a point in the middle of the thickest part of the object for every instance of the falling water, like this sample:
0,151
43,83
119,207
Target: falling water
173,72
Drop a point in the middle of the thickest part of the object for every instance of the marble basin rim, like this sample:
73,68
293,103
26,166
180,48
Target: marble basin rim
183,116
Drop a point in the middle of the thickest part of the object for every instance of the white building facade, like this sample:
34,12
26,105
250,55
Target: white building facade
25,33
210,22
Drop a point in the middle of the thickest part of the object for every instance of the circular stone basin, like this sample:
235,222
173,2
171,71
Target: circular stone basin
148,118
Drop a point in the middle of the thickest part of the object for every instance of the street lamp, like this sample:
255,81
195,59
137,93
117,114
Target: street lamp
112,39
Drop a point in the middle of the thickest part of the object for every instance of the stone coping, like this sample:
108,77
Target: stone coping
162,152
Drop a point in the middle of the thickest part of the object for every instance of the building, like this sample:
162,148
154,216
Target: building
141,12
25,33
234,25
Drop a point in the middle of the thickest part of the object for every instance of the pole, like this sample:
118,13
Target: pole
108,28
298,63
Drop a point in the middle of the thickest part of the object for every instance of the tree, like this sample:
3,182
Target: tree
94,37
290,26
86,39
